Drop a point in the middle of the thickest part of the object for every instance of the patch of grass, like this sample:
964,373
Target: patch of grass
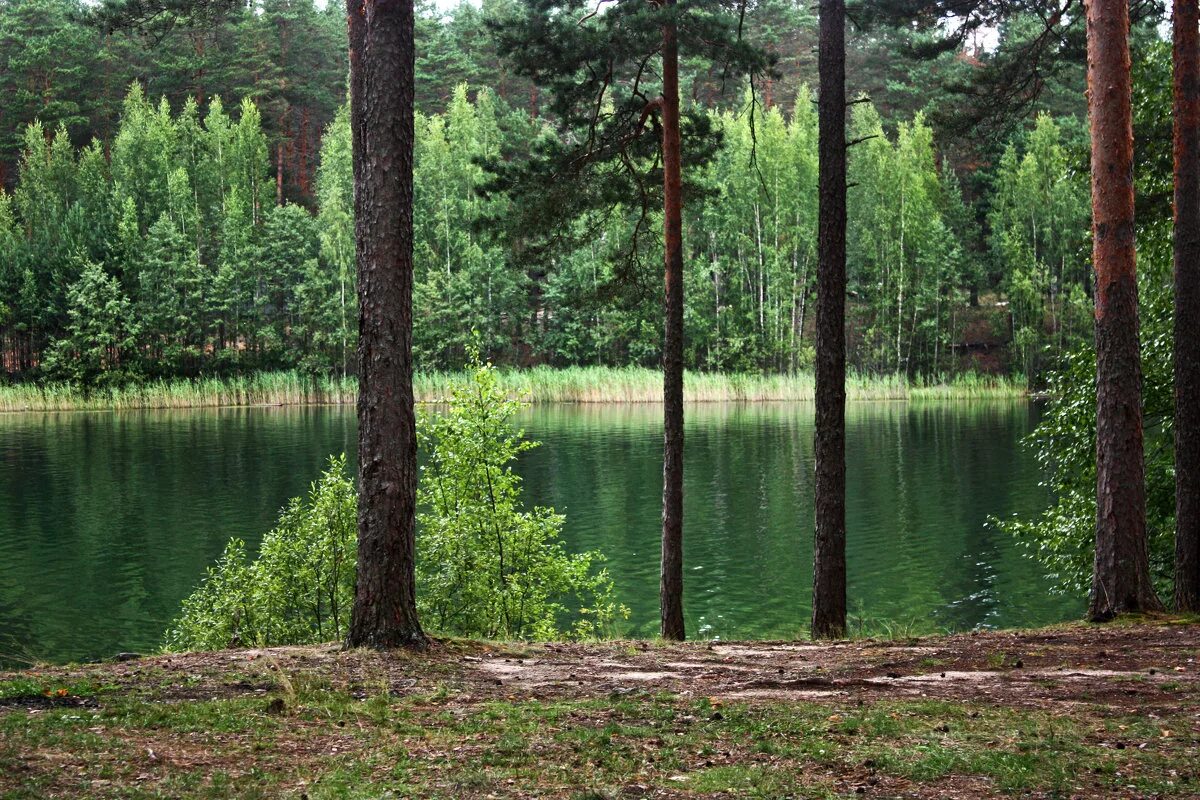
33,686
237,716
861,625
751,780
345,742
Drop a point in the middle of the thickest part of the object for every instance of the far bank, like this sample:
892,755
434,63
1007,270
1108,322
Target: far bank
535,385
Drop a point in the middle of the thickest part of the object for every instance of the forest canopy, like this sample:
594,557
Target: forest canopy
180,204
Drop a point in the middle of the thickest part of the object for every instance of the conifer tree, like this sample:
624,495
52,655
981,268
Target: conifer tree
829,540
1186,27
47,59
596,69
1121,576
98,346
382,67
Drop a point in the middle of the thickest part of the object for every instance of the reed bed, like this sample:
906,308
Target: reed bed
267,388
537,385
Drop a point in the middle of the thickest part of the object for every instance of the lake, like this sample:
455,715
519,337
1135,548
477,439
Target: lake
107,520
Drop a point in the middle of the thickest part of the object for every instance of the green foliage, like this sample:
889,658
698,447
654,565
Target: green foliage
332,308
1039,218
751,280
300,588
902,254
127,157
1063,537
465,290
43,40
486,567
98,345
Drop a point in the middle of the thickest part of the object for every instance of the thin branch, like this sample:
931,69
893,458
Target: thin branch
860,140
593,12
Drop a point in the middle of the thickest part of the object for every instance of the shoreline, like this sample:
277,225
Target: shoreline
538,385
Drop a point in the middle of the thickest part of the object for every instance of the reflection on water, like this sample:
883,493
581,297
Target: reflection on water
108,520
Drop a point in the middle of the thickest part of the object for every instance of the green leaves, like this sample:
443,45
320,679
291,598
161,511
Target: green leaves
903,253
487,567
300,588
1062,538
467,290
99,345
1039,220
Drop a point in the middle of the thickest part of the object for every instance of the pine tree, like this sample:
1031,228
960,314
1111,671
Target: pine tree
594,66
45,201
288,243
46,60
168,300
829,541
1121,577
382,67
1186,26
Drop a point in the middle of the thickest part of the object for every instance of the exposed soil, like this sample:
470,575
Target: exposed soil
1119,667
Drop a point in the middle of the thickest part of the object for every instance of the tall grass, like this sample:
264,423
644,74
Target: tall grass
538,385
266,388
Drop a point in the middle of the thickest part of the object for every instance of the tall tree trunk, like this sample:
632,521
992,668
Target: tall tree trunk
1121,576
671,583
1187,304
829,540
279,172
302,160
381,114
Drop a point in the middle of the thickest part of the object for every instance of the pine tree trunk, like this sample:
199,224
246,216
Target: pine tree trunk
1187,304
671,584
279,172
381,98
829,541
1121,576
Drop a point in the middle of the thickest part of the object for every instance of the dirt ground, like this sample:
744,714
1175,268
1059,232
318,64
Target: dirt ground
1118,667
1126,698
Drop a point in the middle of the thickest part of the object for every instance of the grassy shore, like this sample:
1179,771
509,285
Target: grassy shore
538,385
1073,711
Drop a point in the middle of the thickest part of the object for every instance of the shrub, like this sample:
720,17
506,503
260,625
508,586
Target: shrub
485,566
298,590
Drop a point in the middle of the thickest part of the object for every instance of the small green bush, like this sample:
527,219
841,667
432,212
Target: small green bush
485,567
298,590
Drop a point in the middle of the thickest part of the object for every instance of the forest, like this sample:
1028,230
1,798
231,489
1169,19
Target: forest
350,352
178,203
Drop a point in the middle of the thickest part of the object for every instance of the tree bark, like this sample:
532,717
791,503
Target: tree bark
1186,26
381,97
1121,576
671,582
829,540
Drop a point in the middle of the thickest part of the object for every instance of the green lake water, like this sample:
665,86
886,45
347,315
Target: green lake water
107,520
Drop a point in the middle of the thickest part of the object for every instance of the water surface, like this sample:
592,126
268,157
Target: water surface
107,520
